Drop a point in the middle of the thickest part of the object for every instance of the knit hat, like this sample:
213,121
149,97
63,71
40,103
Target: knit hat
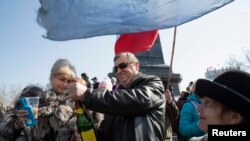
231,88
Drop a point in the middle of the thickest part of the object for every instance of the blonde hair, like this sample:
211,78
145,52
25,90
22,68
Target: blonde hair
63,66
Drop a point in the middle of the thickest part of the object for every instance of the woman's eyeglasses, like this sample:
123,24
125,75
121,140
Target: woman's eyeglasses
121,66
65,80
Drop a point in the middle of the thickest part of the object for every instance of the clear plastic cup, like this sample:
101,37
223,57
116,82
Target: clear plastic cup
33,102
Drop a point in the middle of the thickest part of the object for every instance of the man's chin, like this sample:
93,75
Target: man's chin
124,83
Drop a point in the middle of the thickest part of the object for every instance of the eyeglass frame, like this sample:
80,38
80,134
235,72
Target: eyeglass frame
121,66
64,80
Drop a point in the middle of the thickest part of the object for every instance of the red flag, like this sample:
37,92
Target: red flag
136,42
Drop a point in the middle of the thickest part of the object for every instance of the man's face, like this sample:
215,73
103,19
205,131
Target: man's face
126,70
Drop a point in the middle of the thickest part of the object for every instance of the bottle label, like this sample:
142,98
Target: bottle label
88,135
31,121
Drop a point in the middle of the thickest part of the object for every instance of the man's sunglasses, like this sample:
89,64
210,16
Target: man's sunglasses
121,66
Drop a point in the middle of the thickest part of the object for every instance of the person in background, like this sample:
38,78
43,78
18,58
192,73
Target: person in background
105,84
86,78
135,111
171,89
180,102
97,117
183,99
225,100
189,87
189,117
171,115
95,83
191,83
56,121
114,83
12,127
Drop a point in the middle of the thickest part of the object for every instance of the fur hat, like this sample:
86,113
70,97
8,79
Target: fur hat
231,88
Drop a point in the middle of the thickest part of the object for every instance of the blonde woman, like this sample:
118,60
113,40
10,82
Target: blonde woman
56,121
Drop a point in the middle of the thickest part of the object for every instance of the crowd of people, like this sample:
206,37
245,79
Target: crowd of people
131,106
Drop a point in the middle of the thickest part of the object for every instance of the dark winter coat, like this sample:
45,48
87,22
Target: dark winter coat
136,113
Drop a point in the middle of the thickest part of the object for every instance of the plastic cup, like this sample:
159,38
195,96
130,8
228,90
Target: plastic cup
33,102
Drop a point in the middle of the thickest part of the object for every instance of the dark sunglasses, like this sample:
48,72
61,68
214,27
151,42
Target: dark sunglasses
121,66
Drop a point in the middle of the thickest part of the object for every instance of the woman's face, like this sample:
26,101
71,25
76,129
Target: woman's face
60,82
211,113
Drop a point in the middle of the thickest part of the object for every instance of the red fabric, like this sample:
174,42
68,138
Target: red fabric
136,42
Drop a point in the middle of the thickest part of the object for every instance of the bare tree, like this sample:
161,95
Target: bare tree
241,62
8,94
2,110
246,63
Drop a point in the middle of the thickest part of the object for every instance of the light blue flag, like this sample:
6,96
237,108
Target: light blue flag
75,19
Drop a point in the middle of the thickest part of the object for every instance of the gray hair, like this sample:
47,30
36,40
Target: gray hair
131,57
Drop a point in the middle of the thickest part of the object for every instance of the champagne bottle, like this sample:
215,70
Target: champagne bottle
85,125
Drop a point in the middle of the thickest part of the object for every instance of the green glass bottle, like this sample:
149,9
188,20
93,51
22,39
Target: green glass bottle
85,125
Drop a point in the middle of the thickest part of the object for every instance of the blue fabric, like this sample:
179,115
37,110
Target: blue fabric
189,120
74,19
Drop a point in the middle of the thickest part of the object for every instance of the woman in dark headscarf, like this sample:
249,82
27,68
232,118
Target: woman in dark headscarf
9,130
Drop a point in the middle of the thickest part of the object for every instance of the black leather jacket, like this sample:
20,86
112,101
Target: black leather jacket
136,113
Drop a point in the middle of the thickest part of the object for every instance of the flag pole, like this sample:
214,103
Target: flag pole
171,60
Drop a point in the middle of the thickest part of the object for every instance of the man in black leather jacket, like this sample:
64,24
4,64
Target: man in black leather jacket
133,112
